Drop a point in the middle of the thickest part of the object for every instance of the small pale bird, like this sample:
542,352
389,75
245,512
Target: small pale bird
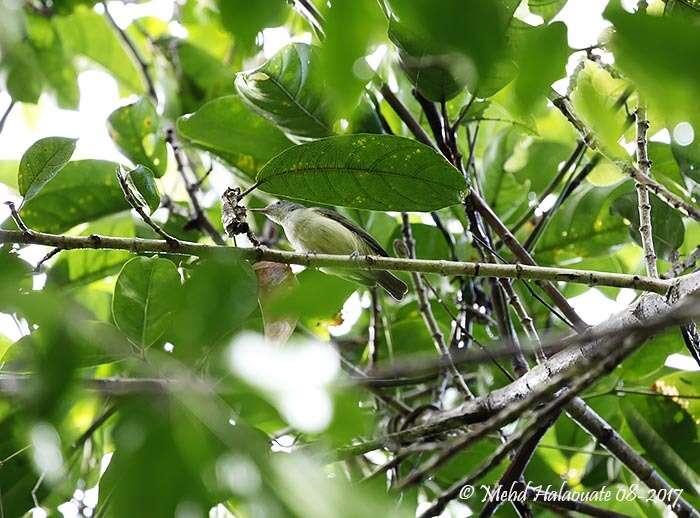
325,231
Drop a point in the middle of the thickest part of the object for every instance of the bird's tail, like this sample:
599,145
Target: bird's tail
392,284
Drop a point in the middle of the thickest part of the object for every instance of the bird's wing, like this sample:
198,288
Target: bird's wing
366,237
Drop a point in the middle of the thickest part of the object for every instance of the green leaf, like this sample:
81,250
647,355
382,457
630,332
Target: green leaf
594,96
663,67
145,298
230,130
583,226
377,172
681,384
25,80
688,158
536,74
143,184
41,162
135,129
84,190
667,227
212,314
651,358
245,19
504,193
88,33
289,91
668,435
547,9
351,26
78,267
207,77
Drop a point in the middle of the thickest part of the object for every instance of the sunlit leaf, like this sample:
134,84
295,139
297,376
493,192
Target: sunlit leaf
41,162
136,130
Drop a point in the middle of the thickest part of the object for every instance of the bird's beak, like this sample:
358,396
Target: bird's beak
263,210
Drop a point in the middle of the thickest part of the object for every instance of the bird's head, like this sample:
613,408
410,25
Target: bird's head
279,211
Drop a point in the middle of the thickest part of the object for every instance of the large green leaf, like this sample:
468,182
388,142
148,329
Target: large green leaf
245,19
664,67
87,33
688,157
212,314
377,172
82,191
145,298
288,90
230,130
41,162
547,9
136,130
667,227
668,435
25,80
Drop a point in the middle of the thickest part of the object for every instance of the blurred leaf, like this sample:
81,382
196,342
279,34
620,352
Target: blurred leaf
594,96
583,226
681,384
25,80
668,231
504,193
649,359
688,158
82,191
305,300
471,35
543,160
244,19
146,296
230,130
8,173
41,162
665,165
137,133
429,241
547,9
143,184
289,91
211,314
78,267
276,281
535,74
208,76
377,172
663,69
668,435
88,33
351,26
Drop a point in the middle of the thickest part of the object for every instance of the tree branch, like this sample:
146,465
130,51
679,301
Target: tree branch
643,201
470,269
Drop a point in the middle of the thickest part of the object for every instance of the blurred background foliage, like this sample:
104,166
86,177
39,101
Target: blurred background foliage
247,427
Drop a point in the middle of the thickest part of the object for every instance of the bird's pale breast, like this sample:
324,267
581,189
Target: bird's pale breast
309,231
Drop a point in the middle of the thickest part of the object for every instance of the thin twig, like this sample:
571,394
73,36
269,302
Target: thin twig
18,219
6,114
134,52
131,199
643,201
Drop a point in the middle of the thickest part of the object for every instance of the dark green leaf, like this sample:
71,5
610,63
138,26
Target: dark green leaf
652,356
688,158
137,132
668,231
229,129
668,435
429,241
87,33
378,172
211,314
288,90
143,184
41,162
244,19
82,191
146,296
583,226
207,76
